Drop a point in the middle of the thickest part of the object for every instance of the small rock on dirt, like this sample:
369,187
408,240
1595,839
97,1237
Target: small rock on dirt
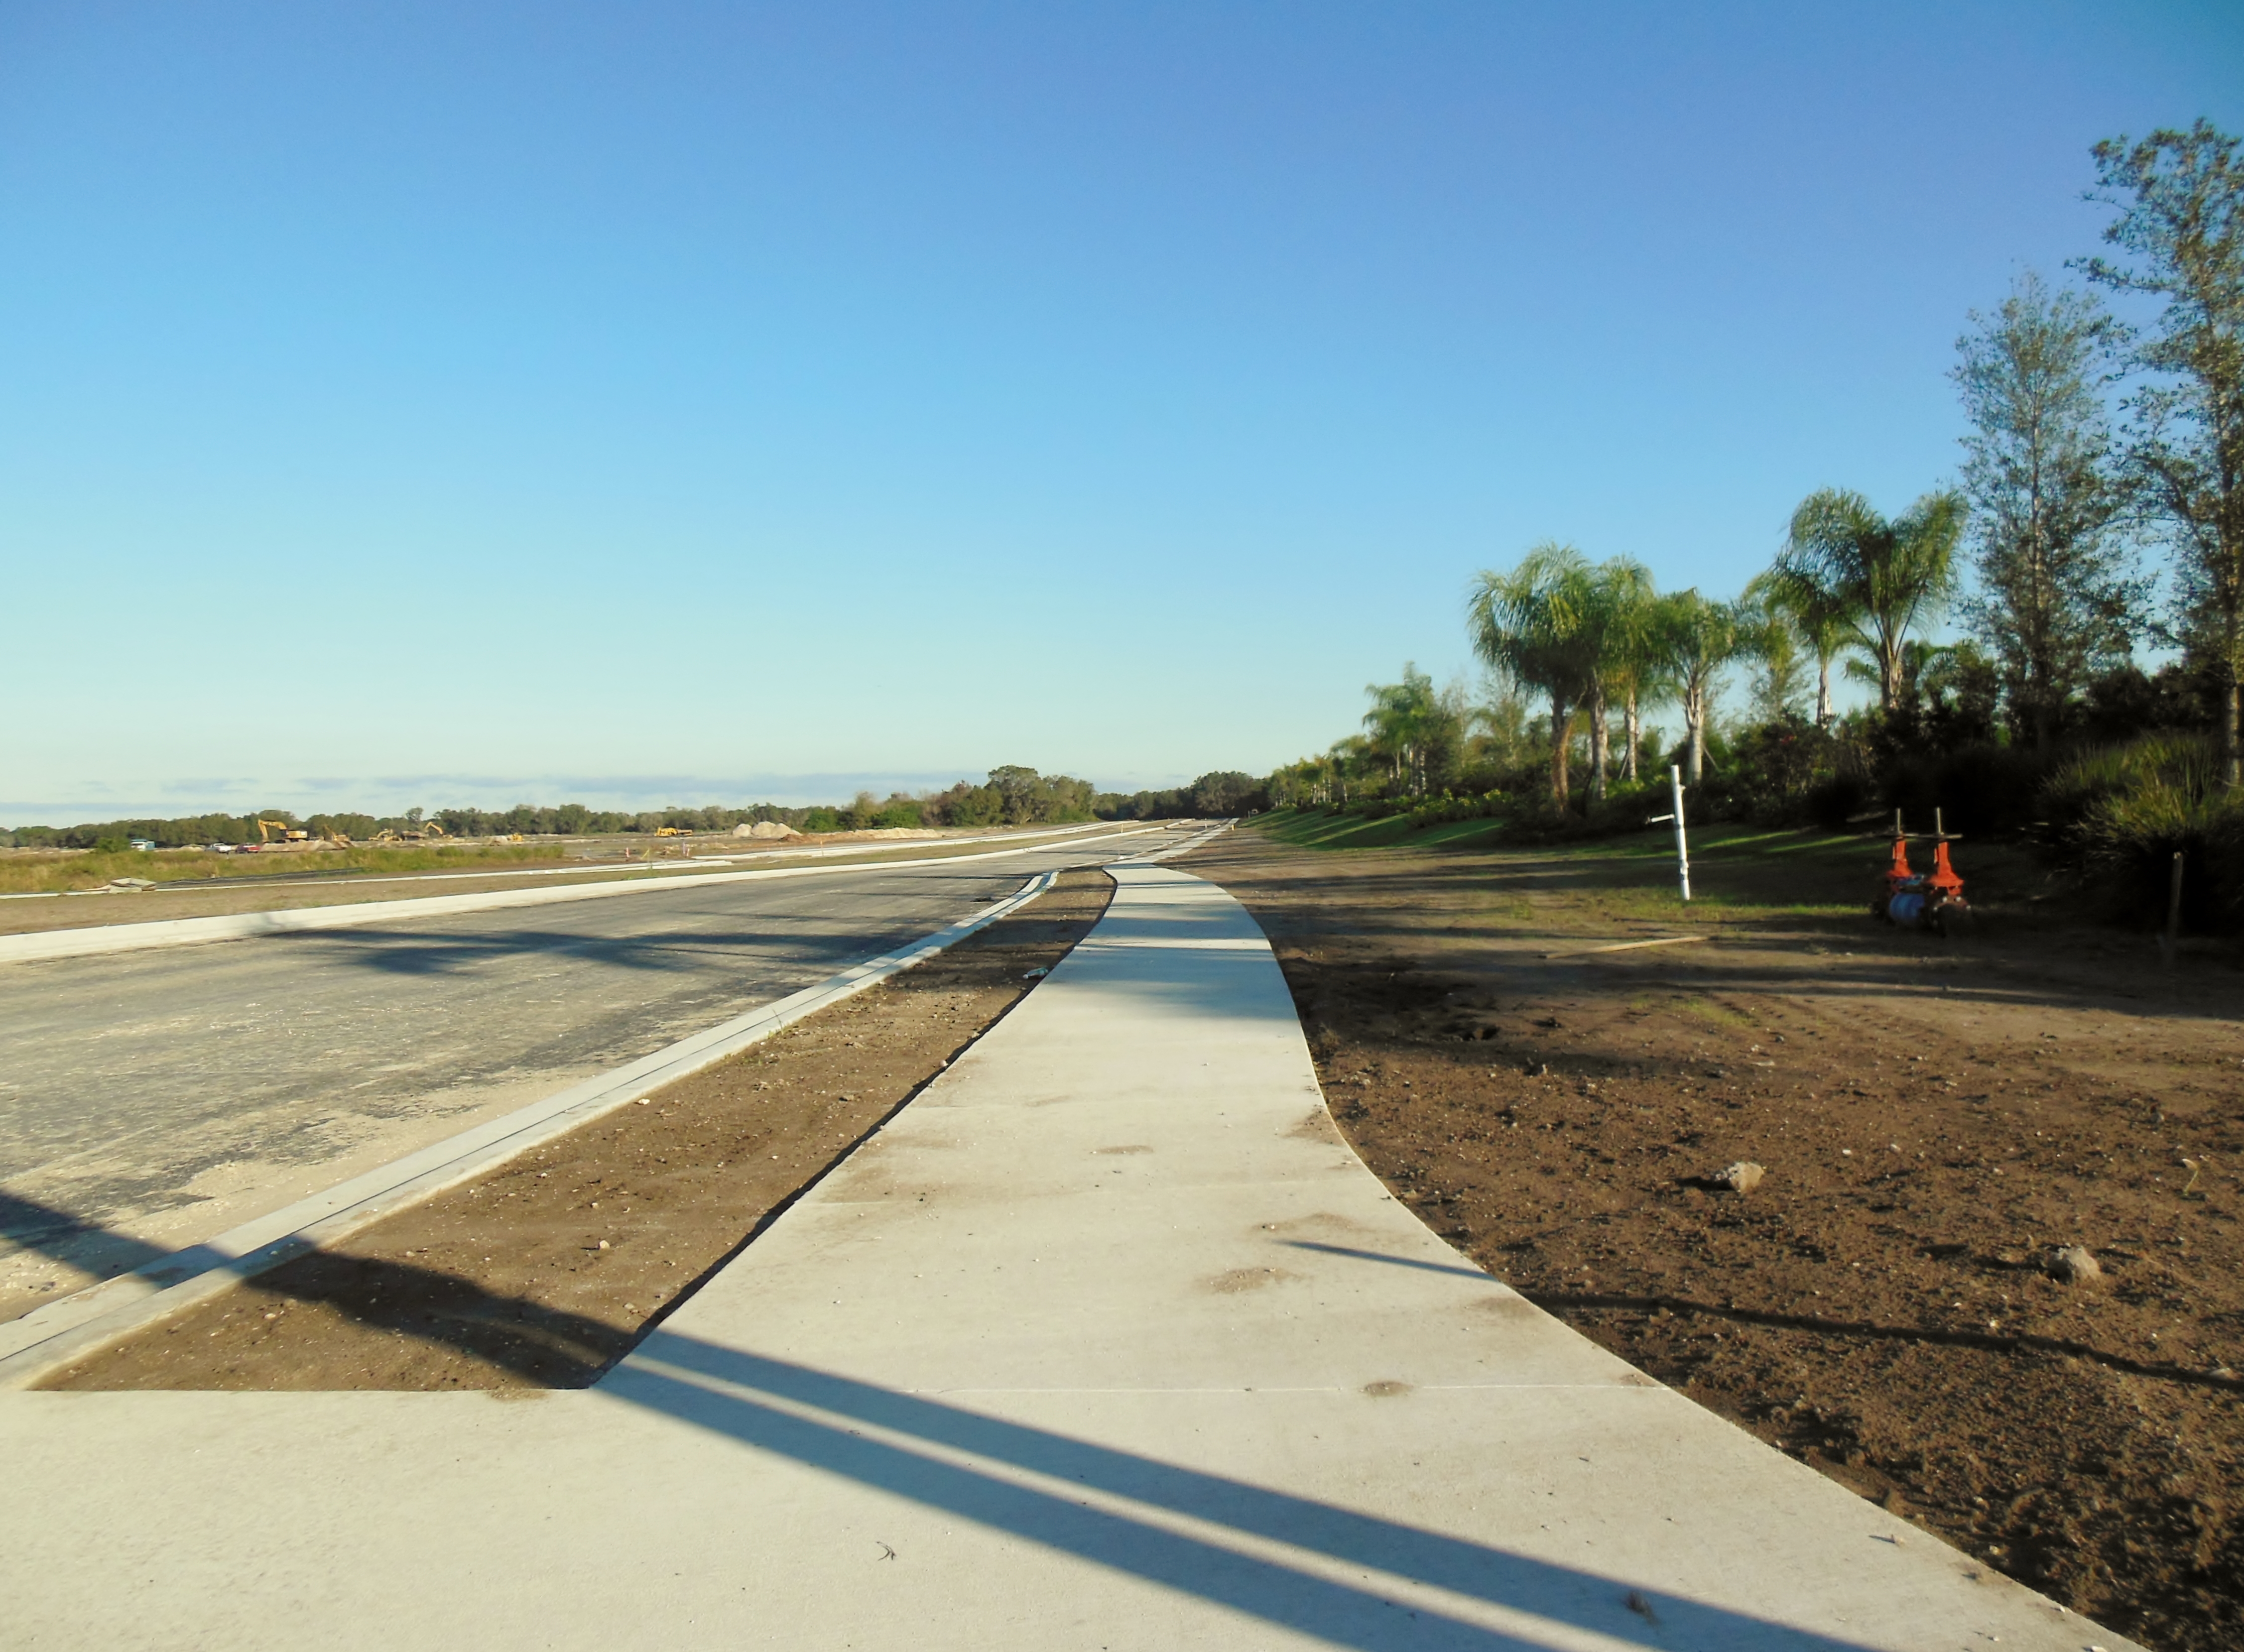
1743,1178
2075,1264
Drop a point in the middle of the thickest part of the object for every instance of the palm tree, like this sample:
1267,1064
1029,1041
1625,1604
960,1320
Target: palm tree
1701,639
1819,616
1774,637
1347,758
1631,659
1879,579
1536,626
1405,717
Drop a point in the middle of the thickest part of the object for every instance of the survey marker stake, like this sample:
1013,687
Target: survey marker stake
1682,843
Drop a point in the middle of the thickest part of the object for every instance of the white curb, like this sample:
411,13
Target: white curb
179,932
57,1332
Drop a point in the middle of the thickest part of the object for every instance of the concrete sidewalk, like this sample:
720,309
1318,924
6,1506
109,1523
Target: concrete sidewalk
1107,1341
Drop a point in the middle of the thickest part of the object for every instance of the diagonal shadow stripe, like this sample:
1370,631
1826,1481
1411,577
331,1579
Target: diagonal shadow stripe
739,1387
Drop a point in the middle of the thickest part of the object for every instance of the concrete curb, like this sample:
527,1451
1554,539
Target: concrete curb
727,857
53,1335
40,945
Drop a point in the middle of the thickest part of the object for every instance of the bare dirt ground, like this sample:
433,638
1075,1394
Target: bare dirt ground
1936,1119
550,1268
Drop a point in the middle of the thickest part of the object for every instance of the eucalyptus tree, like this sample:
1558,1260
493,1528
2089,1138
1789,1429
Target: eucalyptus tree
2057,600
2180,196
1886,578
1536,625
1699,638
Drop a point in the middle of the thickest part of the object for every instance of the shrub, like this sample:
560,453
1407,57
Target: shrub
2123,813
1983,789
1836,799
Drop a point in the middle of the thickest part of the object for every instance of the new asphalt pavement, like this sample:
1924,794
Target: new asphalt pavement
149,1100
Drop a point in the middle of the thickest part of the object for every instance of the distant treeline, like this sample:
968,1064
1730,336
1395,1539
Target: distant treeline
1221,792
1012,796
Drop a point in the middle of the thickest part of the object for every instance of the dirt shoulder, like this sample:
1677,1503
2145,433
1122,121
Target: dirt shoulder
550,1268
1936,1121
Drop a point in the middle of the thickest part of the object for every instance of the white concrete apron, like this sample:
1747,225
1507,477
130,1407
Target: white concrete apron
1107,1341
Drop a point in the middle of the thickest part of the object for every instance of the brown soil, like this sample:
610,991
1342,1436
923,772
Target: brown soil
552,1266
1936,1119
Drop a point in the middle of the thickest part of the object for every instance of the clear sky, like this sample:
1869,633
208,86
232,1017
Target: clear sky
480,403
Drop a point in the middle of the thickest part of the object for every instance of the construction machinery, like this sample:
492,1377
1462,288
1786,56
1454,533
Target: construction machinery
267,829
1933,899
426,831
673,832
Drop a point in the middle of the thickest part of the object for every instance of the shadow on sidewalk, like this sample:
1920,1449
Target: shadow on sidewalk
1198,1533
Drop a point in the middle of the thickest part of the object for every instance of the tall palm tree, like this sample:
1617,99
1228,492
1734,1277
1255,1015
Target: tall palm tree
1347,758
1700,637
1404,719
1631,659
1819,616
1885,577
1775,636
1536,626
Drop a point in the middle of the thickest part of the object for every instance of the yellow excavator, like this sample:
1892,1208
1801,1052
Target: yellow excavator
265,829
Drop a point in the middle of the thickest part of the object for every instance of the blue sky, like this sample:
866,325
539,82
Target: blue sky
446,404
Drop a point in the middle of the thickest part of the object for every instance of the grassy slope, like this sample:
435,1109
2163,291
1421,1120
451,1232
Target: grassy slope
1740,870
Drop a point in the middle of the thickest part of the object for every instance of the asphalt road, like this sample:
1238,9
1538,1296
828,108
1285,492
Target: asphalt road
150,1100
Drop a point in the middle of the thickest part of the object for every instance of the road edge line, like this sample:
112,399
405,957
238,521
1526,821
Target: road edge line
88,1320
39,946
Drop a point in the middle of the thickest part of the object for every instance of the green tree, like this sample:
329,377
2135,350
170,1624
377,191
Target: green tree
2180,201
1630,661
1886,578
1701,639
1401,724
1817,614
1536,626
1772,638
2056,600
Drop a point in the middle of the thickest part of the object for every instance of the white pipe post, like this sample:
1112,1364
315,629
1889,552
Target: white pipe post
1682,843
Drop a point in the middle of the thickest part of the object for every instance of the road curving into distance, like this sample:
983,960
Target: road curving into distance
149,1100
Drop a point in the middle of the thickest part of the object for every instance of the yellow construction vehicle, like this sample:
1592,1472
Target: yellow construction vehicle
673,832
289,833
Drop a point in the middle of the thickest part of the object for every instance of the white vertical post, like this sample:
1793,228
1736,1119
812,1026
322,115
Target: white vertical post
1682,843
